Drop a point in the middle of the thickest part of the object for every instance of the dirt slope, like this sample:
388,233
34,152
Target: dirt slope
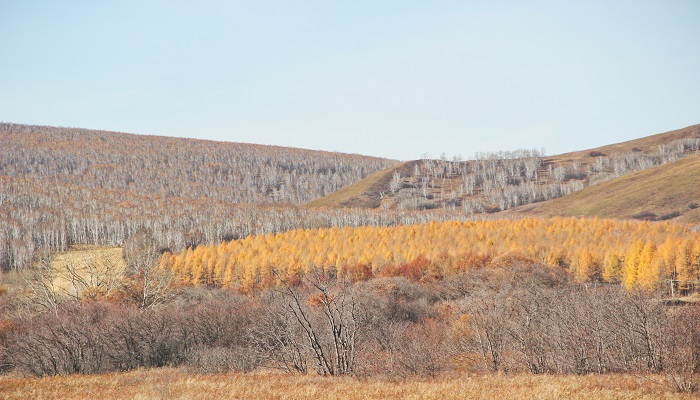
366,193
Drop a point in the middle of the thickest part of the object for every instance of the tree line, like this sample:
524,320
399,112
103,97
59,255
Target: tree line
636,254
36,215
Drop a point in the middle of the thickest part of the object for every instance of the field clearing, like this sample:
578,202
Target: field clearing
86,260
79,254
177,384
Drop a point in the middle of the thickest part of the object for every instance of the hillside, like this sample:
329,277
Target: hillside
494,182
366,193
670,191
66,186
646,144
177,167
63,186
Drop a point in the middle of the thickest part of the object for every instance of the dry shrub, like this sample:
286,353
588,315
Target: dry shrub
209,360
425,350
683,343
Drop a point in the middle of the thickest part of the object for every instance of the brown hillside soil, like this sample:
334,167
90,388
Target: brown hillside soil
176,384
365,193
655,193
645,144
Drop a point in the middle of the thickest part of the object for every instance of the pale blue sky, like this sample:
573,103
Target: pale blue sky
385,78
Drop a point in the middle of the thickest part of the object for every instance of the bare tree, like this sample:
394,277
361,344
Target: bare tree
332,332
42,290
145,282
395,183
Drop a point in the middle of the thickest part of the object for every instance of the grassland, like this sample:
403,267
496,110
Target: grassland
87,260
81,255
661,191
177,384
81,265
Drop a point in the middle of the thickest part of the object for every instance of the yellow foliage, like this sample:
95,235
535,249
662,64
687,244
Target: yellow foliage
639,254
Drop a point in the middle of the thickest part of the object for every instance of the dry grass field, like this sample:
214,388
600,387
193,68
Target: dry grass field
83,264
86,260
103,257
177,384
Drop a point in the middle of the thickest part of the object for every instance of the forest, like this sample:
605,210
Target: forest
174,167
637,254
123,253
65,186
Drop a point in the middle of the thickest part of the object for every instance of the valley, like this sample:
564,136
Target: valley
129,261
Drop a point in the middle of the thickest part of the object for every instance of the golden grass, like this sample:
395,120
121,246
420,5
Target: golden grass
661,190
80,254
176,384
104,259
107,261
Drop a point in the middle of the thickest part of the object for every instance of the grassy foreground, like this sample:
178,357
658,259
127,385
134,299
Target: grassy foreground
177,384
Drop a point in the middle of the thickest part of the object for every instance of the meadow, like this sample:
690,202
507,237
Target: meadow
169,383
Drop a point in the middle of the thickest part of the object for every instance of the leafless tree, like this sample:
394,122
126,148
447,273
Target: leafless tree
332,332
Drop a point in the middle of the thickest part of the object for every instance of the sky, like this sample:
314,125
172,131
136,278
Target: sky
396,79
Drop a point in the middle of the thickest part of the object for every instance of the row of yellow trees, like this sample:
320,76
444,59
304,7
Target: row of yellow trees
637,254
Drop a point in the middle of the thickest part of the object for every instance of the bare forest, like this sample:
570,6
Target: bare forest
64,186
498,181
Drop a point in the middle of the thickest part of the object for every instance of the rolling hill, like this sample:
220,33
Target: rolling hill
177,167
645,144
366,193
66,186
670,191
494,182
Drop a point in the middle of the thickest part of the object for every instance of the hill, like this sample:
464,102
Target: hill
66,186
177,167
670,191
63,186
366,193
494,182
648,144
